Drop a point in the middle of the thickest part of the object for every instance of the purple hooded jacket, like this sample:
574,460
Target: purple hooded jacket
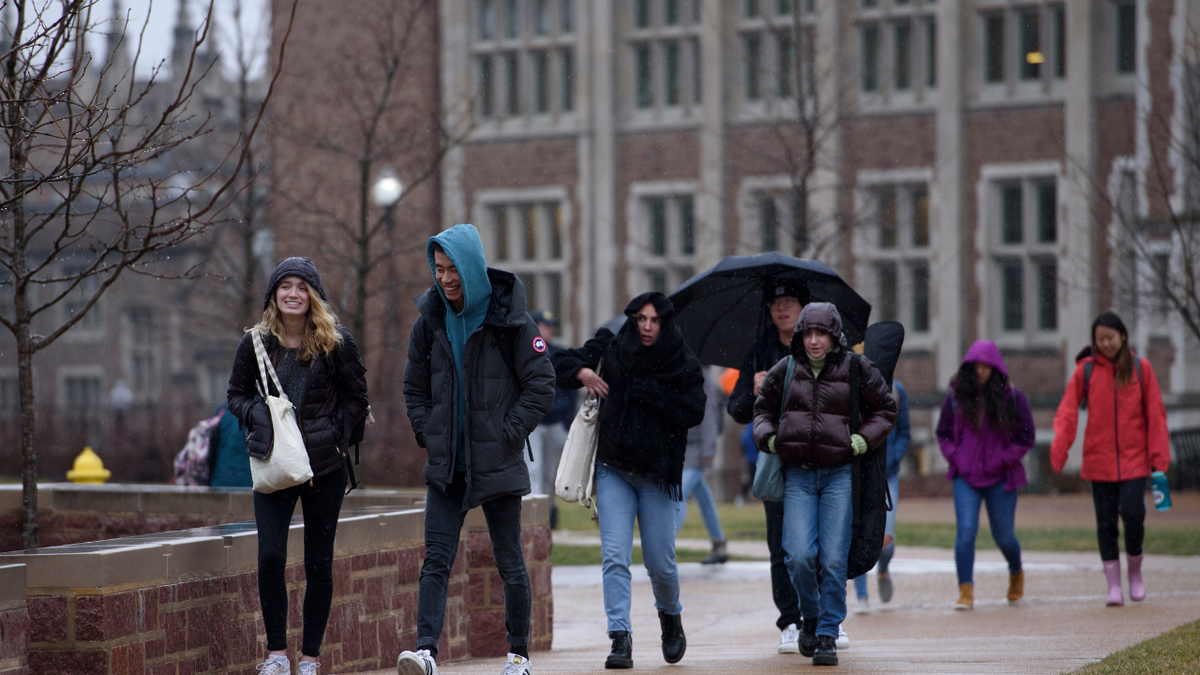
986,456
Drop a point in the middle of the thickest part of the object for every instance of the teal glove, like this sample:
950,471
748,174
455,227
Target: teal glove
771,444
858,443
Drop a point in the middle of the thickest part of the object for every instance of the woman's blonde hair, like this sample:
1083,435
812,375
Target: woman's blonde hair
321,335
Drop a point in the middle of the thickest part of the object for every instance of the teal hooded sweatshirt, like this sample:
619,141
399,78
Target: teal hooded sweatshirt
463,246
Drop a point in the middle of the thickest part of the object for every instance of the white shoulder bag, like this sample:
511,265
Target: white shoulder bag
576,477
287,463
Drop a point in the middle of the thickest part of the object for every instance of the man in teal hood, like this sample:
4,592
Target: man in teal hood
476,383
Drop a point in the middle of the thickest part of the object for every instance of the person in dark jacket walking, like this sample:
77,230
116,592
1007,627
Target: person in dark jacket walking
767,351
476,384
321,373
547,440
653,393
985,429
815,443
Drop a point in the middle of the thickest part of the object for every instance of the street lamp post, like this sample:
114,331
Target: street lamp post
386,192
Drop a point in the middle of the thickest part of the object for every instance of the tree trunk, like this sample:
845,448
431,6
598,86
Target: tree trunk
364,260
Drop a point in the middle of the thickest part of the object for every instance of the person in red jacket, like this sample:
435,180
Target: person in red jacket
1125,440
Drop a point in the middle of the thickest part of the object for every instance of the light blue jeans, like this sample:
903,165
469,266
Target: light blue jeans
694,485
622,497
885,556
1002,511
817,514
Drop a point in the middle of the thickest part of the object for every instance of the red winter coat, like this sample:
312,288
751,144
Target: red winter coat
1120,442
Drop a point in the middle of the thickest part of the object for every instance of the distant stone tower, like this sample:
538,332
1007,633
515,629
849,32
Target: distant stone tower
181,49
116,72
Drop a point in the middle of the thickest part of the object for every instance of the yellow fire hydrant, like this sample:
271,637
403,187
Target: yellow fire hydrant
88,468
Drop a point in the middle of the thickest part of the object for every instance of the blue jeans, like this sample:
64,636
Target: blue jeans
1001,508
622,497
444,517
885,556
817,513
694,485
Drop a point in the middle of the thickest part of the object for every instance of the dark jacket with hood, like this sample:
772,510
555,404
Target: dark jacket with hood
655,394
495,396
815,428
336,398
766,352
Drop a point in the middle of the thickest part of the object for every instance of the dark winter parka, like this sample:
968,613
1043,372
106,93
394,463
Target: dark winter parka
655,394
336,399
505,401
815,429
766,352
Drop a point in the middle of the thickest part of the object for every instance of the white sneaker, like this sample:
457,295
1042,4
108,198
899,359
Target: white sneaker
275,665
789,640
843,640
308,668
862,607
419,662
516,665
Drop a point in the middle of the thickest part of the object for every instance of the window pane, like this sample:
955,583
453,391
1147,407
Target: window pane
529,281
510,19
687,226
696,10
529,216
541,80
1126,37
1047,296
645,90
768,223
568,79
641,13
554,216
500,220
485,86
1030,54
514,84
751,8
785,69
784,8
753,56
656,280
870,3
658,225
1047,211
672,68
1010,214
1010,291
903,63
920,218
566,15
696,88
1060,41
541,17
888,292
671,12
554,293
887,219
870,57
920,297
931,52
993,30
487,20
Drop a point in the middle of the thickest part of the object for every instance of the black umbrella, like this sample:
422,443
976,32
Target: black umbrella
722,311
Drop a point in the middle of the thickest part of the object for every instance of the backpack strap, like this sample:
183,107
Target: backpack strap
855,392
787,384
1087,382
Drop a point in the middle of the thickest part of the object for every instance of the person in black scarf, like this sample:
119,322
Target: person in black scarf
653,392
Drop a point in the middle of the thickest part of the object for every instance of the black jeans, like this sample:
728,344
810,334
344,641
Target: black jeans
444,517
1127,497
782,590
321,502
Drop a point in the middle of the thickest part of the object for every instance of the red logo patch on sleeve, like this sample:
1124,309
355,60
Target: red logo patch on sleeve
539,345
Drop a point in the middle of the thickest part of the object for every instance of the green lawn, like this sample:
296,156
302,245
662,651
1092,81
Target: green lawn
1177,651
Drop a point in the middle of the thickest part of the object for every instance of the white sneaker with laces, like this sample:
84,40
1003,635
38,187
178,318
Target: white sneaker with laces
275,665
843,640
516,665
862,607
789,640
419,662
308,668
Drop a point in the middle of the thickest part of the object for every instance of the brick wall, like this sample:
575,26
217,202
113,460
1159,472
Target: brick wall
14,621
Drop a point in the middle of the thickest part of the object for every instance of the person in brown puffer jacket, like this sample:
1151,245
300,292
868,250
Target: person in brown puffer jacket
814,439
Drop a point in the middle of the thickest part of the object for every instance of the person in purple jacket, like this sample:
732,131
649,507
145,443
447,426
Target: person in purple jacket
984,431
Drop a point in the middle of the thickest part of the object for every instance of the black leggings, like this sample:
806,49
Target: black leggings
321,502
1127,497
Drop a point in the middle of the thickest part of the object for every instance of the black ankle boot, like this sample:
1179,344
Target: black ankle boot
622,650
808,637
674,642
826,653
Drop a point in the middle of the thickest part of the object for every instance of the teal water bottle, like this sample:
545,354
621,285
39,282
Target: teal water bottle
1160,490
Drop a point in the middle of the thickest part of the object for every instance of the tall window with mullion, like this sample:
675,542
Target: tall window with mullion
528,238
523,59
898,247
670,240
1025,256
1126,37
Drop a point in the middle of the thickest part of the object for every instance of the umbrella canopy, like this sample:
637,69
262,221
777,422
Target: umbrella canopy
722,311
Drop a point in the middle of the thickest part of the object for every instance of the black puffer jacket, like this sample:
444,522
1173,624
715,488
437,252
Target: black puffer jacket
505,402
766,352
335,401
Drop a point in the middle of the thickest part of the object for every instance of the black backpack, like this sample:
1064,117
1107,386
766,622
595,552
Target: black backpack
868,471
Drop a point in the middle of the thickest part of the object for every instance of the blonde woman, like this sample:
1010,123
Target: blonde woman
324,378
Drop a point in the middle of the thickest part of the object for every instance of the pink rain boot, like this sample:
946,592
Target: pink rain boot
1112,572
1137,588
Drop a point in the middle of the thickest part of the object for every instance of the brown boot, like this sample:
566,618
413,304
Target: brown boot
1016,586
966,596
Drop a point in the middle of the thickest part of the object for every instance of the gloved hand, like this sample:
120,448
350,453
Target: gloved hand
770,449
858,443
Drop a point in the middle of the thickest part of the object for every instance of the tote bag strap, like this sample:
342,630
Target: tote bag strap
265,368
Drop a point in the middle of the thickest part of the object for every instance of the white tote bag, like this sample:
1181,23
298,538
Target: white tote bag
287,463
576,477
